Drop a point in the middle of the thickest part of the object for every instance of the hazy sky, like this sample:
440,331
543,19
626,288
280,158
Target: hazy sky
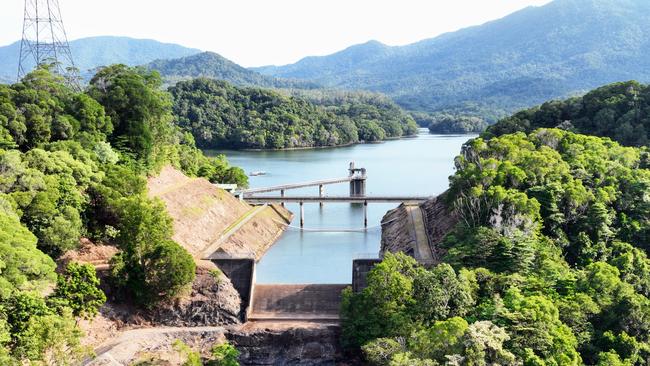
262,32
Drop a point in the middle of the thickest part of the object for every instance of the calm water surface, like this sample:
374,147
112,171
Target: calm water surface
414,166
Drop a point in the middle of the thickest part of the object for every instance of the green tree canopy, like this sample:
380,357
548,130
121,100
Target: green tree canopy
220,115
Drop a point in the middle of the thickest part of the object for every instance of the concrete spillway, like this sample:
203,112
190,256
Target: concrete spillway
296,302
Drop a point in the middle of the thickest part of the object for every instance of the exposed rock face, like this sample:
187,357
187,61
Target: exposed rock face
397,235
299,344
213,301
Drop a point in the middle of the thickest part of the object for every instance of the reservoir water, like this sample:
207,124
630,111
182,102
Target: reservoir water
418,166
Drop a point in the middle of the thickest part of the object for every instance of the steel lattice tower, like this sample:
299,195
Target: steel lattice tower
44,40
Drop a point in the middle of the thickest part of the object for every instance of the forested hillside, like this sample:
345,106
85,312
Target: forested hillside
492,70
73,165
547,265
215,66
620,111
92,52
220,115
362,106
447,123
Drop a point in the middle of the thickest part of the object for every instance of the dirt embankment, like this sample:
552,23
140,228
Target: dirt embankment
205,216
398,234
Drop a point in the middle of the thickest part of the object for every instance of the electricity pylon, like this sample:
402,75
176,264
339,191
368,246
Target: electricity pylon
45,41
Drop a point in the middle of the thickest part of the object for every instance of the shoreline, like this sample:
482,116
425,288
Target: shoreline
318,147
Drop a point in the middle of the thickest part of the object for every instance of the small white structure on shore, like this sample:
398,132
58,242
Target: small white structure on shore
227,187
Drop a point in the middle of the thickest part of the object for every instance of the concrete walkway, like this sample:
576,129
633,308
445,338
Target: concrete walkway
422,249
229,231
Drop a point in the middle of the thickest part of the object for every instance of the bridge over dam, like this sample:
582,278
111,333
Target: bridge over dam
365,200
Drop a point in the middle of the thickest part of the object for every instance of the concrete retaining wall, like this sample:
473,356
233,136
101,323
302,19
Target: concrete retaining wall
296,301
360,269
310,301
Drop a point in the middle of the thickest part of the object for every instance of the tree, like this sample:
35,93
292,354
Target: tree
140,113
617,111
380,352
23,265
60,179
91,117
611,358
546,262
77,288
38,333
105,153
440,294
444,337
220,115
446,124
151,267
484,345
534,324
382,308
224,354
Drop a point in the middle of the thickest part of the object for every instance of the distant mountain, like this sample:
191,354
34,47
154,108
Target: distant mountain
563,48
215,66
326,68
93,52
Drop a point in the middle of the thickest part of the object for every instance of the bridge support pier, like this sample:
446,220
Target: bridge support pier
365,214
282,195
302,215
321,193
358,187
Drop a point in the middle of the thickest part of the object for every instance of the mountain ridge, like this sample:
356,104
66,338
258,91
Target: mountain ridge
214,66
92,52
493,69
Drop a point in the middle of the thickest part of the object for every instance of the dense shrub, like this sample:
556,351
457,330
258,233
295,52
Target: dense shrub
78,289
151,267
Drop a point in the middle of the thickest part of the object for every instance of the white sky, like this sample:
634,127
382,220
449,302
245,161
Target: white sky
263,32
